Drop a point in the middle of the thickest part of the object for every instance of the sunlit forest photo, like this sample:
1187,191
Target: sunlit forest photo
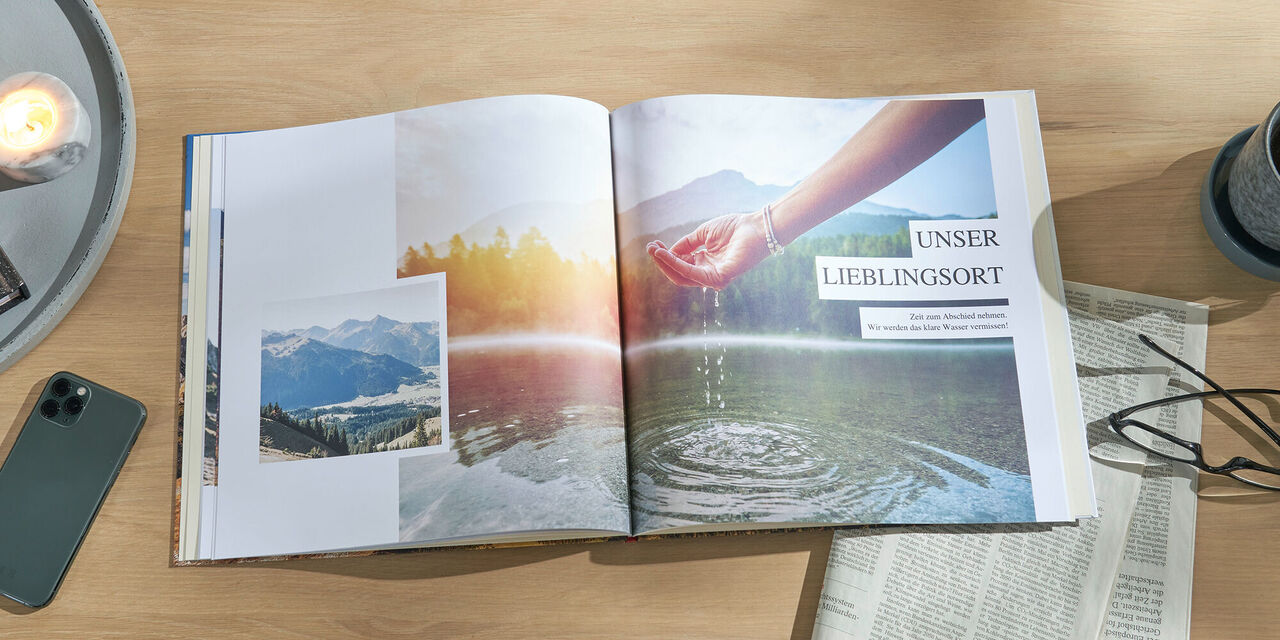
522,288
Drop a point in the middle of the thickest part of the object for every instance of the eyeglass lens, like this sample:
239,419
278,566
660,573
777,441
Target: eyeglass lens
1152,442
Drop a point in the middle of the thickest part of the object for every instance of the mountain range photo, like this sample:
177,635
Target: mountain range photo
675,213
777,297
358,387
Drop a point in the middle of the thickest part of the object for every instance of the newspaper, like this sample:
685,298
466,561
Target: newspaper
1151,597
1125,574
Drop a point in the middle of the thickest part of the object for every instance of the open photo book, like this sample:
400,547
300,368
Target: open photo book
527,318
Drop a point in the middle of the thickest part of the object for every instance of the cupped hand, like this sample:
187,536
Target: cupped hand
718,251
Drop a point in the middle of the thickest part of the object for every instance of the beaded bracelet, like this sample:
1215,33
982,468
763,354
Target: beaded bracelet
770,240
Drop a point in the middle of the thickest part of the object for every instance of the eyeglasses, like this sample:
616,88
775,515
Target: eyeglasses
1171,447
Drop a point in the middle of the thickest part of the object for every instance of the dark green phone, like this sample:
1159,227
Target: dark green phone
55,478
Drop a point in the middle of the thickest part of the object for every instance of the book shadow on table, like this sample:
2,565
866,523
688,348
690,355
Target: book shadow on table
1157,222
419,564
816,543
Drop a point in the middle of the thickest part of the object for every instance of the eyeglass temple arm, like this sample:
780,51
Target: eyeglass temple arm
1216,387
1128,411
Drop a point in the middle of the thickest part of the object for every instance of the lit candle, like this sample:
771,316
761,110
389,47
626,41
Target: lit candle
44,130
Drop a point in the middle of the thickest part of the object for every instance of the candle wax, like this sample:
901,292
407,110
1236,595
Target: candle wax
27,117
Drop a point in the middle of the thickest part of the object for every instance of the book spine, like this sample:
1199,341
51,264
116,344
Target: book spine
188,142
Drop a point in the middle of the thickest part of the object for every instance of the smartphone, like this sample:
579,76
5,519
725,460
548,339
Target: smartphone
55,478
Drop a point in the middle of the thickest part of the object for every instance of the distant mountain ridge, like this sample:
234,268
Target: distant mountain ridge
417,343
681,210
301,372
726,191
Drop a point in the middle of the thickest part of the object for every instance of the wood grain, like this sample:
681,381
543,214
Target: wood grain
1135,98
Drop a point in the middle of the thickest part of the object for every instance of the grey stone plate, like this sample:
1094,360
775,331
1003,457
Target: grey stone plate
58,233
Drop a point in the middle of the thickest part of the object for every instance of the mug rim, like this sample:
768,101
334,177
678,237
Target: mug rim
1268,139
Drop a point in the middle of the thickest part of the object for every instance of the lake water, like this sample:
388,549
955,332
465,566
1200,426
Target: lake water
536,442
745,429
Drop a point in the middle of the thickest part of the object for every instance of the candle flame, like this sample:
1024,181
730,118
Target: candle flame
27,118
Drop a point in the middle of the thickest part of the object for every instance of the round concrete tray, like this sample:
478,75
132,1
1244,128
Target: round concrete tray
58,233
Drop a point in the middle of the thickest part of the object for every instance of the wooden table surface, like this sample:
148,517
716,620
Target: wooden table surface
1135,98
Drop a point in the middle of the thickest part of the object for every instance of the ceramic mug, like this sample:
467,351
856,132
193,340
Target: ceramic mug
1253,186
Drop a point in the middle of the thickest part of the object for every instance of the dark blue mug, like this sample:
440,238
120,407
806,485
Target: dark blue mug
1253,186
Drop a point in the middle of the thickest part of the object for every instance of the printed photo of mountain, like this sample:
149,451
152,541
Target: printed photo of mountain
779,296
353,374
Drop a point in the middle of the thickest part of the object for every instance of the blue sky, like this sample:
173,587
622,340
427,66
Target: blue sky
416,302
956,180
457,163
662,144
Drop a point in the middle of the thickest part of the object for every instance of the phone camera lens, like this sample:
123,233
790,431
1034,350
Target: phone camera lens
49,408
61,387
73,405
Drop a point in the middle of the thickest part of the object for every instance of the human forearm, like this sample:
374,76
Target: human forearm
896,140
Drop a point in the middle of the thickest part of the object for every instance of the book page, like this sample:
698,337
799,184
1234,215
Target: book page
191,336
1024,582
419,333
874,349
